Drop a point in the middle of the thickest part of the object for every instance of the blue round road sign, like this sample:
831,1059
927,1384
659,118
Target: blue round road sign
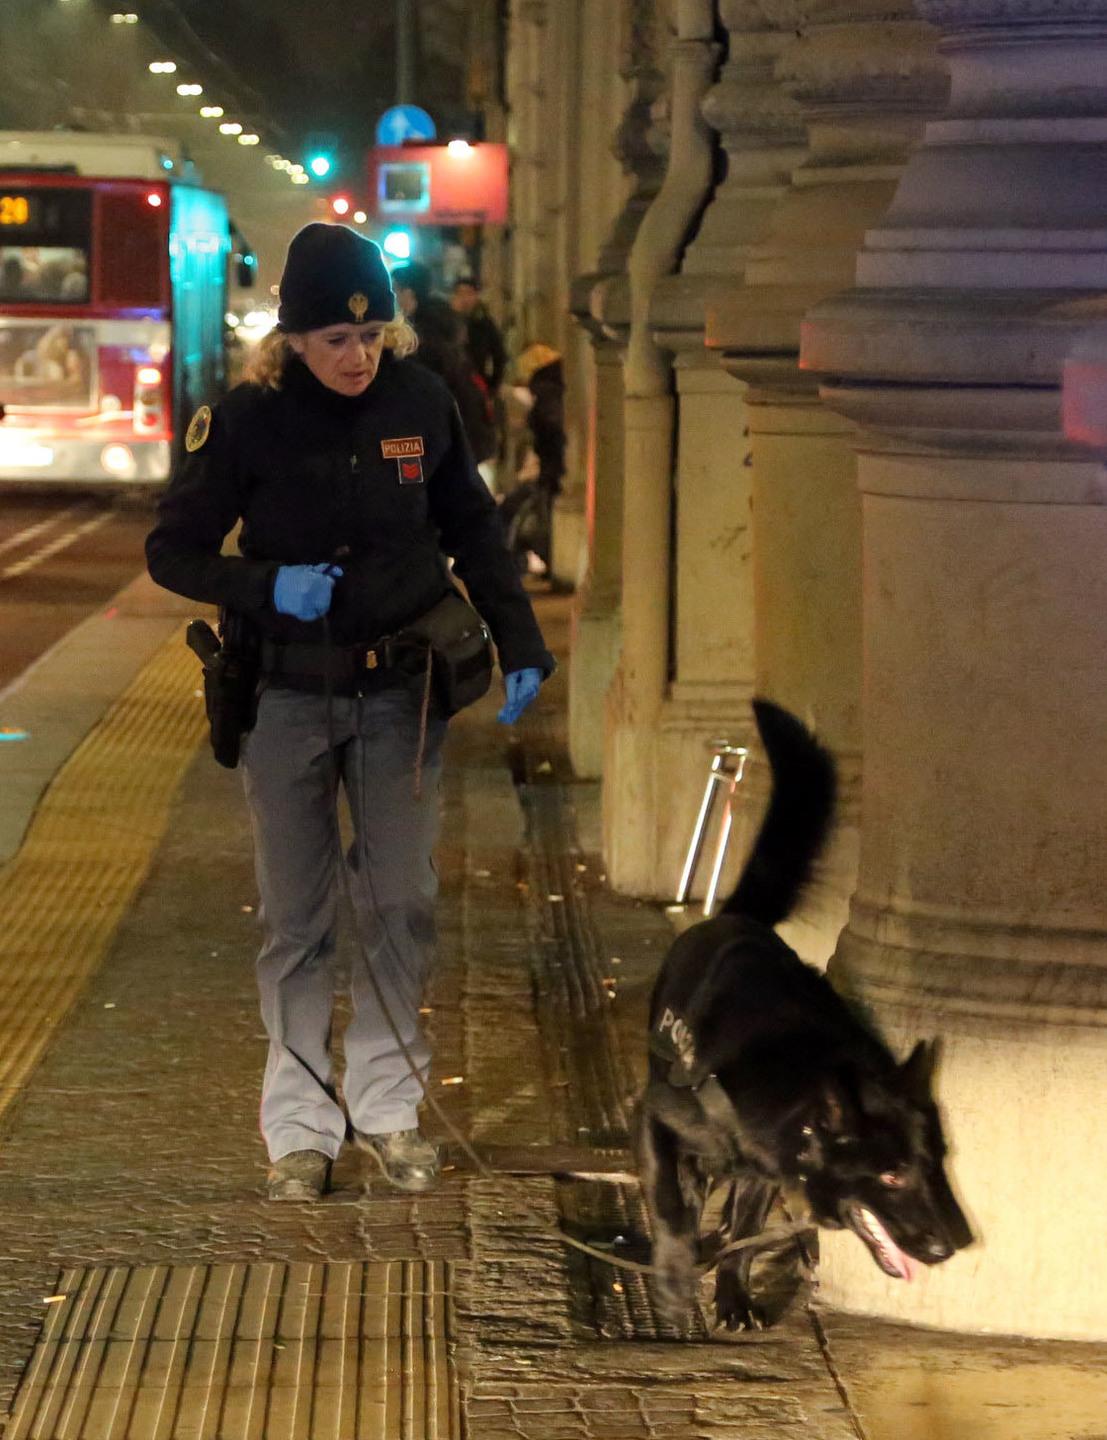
405,122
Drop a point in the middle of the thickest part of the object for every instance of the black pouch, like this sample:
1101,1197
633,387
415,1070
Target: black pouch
460,651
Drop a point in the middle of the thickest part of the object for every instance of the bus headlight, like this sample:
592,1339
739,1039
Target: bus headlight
118,460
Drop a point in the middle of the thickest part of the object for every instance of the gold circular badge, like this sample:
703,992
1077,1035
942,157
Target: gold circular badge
359,306
199,429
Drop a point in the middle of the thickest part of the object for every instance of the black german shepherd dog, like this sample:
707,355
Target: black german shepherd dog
761,1076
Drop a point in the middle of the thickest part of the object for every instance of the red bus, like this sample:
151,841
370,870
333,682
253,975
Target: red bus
113,283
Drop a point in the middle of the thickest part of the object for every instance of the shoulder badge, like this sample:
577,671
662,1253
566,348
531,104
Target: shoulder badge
358,305
198,430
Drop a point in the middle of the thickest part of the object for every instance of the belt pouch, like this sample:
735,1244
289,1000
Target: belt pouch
460,651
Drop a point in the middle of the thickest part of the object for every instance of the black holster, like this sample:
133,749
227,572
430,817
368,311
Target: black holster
231,669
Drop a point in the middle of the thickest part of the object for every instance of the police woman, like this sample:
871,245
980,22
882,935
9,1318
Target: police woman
347,465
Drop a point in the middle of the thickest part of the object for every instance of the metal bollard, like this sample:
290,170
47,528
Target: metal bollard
728,765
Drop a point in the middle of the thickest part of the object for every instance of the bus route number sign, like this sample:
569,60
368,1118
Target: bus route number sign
15,210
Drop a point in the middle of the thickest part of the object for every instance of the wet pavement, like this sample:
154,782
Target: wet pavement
148,1291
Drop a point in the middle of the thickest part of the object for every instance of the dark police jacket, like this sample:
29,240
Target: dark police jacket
317,476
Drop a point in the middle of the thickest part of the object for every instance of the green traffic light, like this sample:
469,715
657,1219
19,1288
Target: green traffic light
397,244
320,166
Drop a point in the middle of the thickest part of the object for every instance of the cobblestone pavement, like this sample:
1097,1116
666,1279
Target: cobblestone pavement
135,1142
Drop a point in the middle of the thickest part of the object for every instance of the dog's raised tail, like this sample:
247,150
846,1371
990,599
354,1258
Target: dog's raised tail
801,808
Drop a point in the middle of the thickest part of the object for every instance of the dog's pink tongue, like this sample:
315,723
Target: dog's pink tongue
898,1259
903,1264
907,1267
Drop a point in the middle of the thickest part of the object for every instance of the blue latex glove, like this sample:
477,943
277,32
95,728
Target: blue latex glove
522,688
305,590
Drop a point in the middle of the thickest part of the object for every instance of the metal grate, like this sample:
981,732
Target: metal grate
353,1351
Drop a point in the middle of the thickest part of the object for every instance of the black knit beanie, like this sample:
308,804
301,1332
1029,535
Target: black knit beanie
333,276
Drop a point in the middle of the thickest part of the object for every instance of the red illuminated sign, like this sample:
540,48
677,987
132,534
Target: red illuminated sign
455,184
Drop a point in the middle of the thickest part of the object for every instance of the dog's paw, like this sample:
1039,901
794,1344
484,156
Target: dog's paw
734,1308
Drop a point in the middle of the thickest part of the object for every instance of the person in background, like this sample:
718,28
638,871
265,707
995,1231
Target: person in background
74,285
483,338
12,277
485,347
527,511
442,349
347,465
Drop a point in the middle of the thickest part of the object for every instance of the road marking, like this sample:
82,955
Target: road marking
61,543
24,537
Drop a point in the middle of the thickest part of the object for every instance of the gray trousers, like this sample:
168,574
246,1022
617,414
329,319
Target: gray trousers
292,795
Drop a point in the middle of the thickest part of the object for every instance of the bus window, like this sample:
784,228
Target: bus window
45,236
29,273
46,365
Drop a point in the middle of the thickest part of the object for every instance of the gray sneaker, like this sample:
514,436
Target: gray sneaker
407,1161
301,1175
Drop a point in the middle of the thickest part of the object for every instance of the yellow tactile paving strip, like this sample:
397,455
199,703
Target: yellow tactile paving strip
87,851
355,1351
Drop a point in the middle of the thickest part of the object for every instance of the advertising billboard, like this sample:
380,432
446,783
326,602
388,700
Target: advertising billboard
455,184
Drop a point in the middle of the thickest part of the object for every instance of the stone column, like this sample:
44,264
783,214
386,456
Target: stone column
864,75
981,908
594,648
557,68
711,626
638,691
532,91
486,55
600,304
571,57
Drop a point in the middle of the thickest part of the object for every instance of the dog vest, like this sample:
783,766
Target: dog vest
671,1040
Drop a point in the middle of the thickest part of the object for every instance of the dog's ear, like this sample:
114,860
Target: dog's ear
917,1071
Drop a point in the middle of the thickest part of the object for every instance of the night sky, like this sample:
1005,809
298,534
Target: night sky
325,65
286,68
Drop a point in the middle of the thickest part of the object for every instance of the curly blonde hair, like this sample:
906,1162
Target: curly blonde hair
267,365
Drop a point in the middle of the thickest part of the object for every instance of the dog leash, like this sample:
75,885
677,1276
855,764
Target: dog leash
765,1238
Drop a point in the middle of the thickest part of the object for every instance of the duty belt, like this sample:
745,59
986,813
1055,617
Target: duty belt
349,669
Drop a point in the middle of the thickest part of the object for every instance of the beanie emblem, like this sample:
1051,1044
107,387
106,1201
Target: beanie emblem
358,305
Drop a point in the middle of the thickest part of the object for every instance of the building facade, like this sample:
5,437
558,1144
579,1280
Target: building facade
817,268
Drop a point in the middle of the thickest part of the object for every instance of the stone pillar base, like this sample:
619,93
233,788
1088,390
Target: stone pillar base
650,815
569,548
1021,1100
979,914
814,929
593,656
629,808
